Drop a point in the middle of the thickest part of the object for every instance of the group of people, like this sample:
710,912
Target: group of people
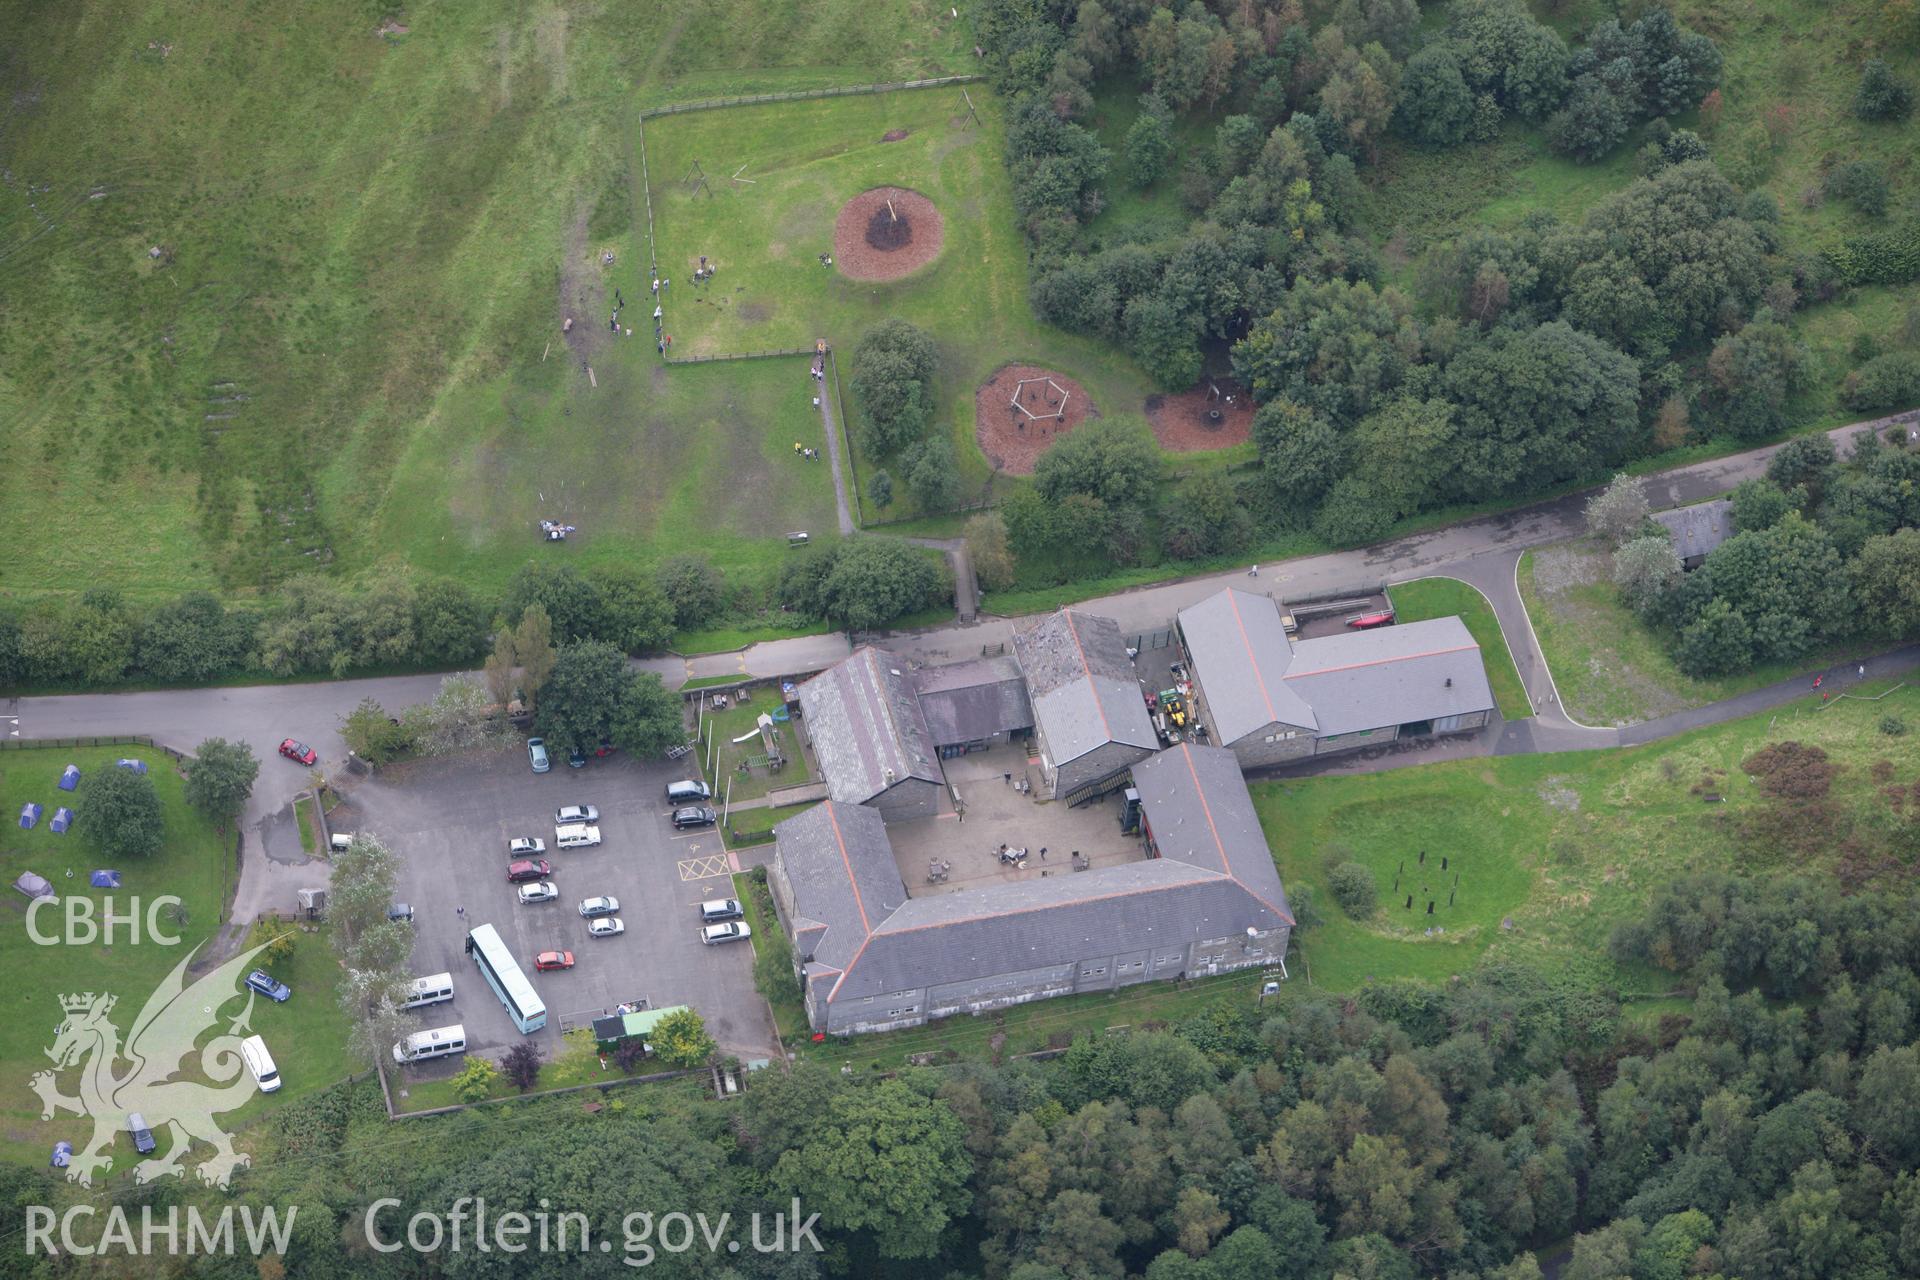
810,455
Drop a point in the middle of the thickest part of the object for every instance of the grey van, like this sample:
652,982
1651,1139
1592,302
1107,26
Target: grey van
688,791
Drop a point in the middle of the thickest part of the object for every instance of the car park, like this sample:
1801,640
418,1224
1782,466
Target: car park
298,752
537,755
602,906
525,846
400,911
695,815
735,931
568,814
548,961
538,891
528,869
606,927
263,982
714,910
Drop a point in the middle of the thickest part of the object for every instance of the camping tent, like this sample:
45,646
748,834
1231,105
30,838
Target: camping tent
33,886
106,879
70,777
62,1154
62,819
29,815
138,766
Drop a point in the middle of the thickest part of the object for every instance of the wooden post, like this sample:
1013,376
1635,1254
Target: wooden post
895,216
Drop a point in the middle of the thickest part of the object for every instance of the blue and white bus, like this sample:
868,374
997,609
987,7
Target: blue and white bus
502,973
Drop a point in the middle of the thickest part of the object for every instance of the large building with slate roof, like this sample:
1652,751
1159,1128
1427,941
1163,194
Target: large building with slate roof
1270,699
870,737
1090,722
971,706
1205,899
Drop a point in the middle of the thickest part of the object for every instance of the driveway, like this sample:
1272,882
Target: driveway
449,821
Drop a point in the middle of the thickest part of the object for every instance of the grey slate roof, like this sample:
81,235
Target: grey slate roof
1698,529
1085,693
867,937
1241,653
1390,676
968,701
845,882
1200,812
864,721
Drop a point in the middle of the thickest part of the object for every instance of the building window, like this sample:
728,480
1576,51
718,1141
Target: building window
1092,972
901,1013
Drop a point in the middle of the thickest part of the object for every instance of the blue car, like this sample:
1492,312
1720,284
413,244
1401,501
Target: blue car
263,982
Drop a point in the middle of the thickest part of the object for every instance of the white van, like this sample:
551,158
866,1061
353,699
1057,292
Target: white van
576,835
340,841
429,990
437,1043
253,1051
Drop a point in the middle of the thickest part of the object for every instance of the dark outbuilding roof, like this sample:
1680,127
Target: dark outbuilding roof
1698,529
866,726
969,701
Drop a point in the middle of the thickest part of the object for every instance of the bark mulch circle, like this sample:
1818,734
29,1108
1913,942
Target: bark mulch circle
873,242
1013,439
1201,419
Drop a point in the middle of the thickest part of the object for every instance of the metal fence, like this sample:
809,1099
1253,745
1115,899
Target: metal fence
49,744
740,355
837,91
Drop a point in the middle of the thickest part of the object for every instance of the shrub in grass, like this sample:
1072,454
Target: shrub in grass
1355,889
521,1065
1881,96
1893,726
475,1080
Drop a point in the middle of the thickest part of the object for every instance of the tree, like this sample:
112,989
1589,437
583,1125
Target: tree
1802,462
1436,107
502,672
1507,54
695,590
1785,582
1717,642
373,735
101,632
449,624
1884,382
880,490
1862,184
932,475
1755,370
521,1065
1591,124
475,1080
1359,95
572,604
1301,455
635,614
1206,517
648,718
1886,583
1617,511
1337,348
193,639
534,652
1164,337
1759,504
1113,459
988,549
593,696
119,814
1355,889
220,778
459,718
884,1159
1394,24
681,1040
1646,570
893,368
1881,96
1149,144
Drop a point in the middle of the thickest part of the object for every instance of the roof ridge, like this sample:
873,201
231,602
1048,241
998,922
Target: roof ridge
1045,906
1106,729
1374,662
1253,661
1200,793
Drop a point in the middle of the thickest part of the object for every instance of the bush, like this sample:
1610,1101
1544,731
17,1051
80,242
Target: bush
1893,726
694,589
880,490
1891,381
1863,184
279,937
893,377
475,1080
521,1065
1355,889
1881,96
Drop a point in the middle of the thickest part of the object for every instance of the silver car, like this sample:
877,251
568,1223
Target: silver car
606,927
538,891
591,907
566,815
735,931
525,846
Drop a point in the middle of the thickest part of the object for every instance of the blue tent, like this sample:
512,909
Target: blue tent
62,819
106,879
138,766
62,1155
70,777
29,814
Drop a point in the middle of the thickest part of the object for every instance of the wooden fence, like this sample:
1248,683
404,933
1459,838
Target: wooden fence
49,744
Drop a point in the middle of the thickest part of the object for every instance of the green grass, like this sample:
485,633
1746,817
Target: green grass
370,245
1609,667
726,777
1563,846
303,814
1449,597
789,1012
806,159
307,1034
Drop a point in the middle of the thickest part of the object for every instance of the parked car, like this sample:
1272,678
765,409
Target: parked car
263,982
142,1135
340,841
694,815
599,906
604,749
400,911
528,869
714,910
735,931
298,752
606,927
1368,621
538,891
547,960
525,846
688,791
567,814
576,758
537,754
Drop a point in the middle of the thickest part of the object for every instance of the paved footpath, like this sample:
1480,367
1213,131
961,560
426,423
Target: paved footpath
1483,552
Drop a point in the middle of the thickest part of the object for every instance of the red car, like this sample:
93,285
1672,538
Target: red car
1367,621
299,752
528,869
552,960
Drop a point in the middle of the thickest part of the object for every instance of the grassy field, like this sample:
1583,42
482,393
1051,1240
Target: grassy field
805,160
307,1034
1449,597
1609,667
1560,846
367,243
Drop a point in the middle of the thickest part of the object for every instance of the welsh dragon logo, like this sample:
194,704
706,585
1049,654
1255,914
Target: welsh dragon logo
164,1034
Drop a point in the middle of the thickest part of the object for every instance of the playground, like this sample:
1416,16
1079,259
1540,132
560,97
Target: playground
751,757
1021,410
886,233
1216,414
